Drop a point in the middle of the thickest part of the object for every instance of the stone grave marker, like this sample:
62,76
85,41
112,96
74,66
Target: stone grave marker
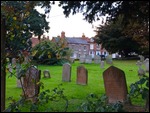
97,59
109,59
88,59
102,64
66,75
146,62
115,85
82,75
30,84
82,59
141,58
141,71
46,74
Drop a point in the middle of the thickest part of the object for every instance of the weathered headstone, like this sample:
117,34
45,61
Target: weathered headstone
115,85
82,75
141,58
102,64
46,74
109,59
30,84
82,59
146,62
97,59
66,75
141,71
88,59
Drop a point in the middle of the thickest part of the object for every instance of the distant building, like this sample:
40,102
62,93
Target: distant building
81,46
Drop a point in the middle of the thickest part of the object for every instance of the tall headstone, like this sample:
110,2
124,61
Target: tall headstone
82,75
30,84
146,62
66,75
115,85
97,59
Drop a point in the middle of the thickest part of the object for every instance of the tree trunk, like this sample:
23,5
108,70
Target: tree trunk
3,73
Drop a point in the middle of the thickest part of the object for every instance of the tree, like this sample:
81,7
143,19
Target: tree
113,39
135,15
47,52
13,26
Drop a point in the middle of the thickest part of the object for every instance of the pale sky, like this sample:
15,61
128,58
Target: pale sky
73,26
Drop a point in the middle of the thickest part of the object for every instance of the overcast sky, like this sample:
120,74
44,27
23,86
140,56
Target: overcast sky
74,26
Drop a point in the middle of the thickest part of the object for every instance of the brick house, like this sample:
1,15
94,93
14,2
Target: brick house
81,46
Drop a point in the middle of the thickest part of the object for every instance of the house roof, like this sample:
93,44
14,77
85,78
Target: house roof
34,41
73,40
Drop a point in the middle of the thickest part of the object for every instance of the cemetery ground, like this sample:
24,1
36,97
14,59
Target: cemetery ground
76,93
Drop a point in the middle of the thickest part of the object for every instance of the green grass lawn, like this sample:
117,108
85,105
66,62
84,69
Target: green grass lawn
76,94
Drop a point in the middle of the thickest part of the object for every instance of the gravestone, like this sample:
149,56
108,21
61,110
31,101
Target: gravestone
97,59
109,59
141,58
141,71
102,64
66,75
146,62
46,74
115,85
30,84
82,59
88,59
82,75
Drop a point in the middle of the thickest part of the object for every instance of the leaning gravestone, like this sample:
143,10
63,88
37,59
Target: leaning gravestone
109,59
66,75
82,75
97,59
30,84
115,85
46,74
88,59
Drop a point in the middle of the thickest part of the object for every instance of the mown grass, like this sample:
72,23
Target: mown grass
76,94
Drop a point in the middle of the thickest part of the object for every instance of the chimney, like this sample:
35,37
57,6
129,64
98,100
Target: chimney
62,34
83,36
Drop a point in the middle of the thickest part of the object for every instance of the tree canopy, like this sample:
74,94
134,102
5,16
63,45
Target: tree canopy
21,25
135,15
113,39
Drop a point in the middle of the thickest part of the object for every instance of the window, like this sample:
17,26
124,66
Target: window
91,46
84,48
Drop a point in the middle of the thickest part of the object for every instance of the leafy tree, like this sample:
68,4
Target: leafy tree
113,39
47,52
14,15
